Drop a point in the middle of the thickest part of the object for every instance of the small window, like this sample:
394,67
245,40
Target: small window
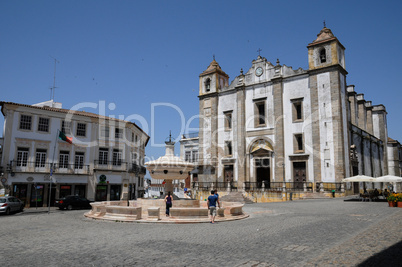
81,129
187,156
66,127
79,160
25,122
103,156
260,114
116,157
228,120
298,143
104,131
134,157
194,157
208,85
323,56
22,156
43,125
40,159
63,159
118,133
297,112
228,148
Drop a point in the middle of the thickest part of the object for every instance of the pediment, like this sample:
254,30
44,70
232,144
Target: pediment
261,147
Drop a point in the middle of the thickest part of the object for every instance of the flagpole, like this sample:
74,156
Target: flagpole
51,171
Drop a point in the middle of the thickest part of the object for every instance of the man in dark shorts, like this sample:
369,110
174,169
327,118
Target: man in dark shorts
211,203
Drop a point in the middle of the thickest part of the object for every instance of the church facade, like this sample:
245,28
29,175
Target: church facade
275,124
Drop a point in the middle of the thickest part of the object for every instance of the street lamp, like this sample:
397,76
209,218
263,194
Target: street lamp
284,185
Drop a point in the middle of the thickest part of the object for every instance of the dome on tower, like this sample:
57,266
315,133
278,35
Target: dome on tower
212,68
325,35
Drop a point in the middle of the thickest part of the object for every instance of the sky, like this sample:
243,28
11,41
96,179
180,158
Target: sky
142,59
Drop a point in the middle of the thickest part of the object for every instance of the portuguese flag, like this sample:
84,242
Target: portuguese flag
63,137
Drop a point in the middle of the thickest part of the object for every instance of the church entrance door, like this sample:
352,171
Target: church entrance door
228,173
263,172
299,170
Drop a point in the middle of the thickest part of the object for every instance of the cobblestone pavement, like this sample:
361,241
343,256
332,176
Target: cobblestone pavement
299,233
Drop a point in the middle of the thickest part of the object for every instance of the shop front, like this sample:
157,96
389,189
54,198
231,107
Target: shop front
65,190
101,192
33,194
37,195
21,191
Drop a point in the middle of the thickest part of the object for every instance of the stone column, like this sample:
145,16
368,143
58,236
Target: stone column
369,122
168,187
279,146
338,125
381,132
214,138
361,103
124,193
315,130
29,190
240,136
352,100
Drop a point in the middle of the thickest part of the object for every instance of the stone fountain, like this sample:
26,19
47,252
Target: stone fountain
169,167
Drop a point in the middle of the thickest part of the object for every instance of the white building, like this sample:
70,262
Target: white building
104,161
274,124
189,152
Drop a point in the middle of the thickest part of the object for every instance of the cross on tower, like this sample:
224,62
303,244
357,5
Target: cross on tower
259,51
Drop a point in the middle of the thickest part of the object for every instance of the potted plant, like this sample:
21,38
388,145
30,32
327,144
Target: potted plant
392,198
399,200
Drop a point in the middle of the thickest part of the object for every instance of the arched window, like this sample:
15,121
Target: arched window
323,56
208,85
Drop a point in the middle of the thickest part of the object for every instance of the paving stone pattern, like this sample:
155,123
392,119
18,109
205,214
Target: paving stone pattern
299,233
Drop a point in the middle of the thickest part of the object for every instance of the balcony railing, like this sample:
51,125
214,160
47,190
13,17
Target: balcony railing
110,165
45,168
138,169
332,186
265,185
215,185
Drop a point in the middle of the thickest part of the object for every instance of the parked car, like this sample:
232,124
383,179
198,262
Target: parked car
10,204
73,202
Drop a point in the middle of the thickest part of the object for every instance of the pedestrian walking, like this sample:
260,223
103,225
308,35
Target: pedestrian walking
216,193
211,203
169,203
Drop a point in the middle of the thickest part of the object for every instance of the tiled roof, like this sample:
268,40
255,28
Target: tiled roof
390,140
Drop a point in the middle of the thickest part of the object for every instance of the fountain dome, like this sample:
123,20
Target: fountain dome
169,167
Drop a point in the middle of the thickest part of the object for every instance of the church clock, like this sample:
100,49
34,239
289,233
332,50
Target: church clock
259,71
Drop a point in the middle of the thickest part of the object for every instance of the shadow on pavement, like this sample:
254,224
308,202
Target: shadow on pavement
391,256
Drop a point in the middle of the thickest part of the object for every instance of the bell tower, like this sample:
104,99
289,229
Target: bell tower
327,83
325,51
212,80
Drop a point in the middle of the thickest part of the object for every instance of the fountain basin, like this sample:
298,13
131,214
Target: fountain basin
144,210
